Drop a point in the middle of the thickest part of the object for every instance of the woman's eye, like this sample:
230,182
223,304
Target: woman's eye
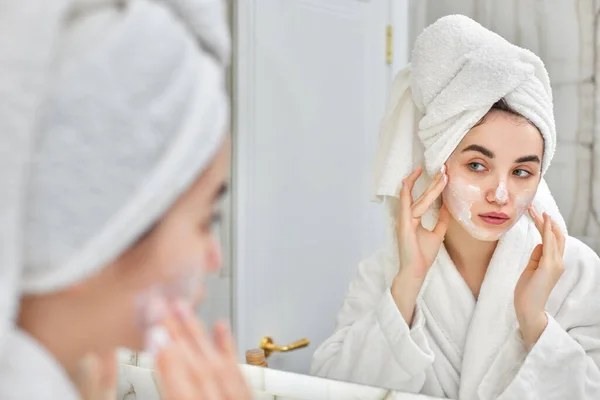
521,173
475,166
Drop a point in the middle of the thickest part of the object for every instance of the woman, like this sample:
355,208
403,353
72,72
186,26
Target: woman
115,153
482,294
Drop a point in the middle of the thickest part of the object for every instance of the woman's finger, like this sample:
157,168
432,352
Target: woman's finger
403,209
560,238
175,382
548,238
190,357
88,377
213,371
233,381
195,332
420,207
224,340
433,183
534,260
537,219
196,369
442,223
108,378
409,181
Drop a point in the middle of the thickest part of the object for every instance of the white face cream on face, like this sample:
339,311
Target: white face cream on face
501,192
459,197
152,306
523,200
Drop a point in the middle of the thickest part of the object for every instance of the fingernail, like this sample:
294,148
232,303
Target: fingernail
443,168
157,338
445,178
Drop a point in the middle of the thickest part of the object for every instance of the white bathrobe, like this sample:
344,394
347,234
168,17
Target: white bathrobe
454,340
34,373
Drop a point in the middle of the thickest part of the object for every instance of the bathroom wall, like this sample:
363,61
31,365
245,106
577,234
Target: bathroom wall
564,34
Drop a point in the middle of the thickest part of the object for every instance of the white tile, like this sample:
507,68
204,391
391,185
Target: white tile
287,384
254,376
136,383
338,390
145,360
127,357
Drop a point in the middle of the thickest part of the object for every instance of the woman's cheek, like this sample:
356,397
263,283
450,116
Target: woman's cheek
523,199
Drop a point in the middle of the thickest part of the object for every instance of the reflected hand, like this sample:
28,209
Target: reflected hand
417,246
194,366
542,273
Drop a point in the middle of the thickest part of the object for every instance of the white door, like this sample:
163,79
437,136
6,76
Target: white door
310,90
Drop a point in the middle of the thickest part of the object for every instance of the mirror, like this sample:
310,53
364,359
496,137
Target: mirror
310,84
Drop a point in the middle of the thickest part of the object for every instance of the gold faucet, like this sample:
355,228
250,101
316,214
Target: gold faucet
269,346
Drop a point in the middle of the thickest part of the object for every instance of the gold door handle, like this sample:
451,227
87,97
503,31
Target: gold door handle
269,346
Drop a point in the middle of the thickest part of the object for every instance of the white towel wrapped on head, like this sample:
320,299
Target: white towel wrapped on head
458,71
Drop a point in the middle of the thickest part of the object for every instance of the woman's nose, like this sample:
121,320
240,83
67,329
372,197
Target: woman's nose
498,193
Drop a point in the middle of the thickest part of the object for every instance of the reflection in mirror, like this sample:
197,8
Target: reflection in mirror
453,297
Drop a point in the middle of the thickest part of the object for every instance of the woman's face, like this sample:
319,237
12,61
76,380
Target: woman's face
494,174
170,262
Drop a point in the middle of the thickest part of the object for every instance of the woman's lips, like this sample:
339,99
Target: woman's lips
494,218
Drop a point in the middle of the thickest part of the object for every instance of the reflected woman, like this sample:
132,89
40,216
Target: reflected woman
481,293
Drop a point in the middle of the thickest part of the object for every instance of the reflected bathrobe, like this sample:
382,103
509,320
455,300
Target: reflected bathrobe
460,347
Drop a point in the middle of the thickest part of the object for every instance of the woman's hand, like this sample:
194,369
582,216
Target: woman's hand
543,271
194,366
96,378
417,246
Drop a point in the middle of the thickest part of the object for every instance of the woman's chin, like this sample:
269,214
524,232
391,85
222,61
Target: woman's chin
484,233
490,232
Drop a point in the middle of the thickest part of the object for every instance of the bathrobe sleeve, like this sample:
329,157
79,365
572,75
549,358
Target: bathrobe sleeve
565,361
372,343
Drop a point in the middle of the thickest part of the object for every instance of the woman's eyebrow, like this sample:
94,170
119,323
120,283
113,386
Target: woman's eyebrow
475,147
525,159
